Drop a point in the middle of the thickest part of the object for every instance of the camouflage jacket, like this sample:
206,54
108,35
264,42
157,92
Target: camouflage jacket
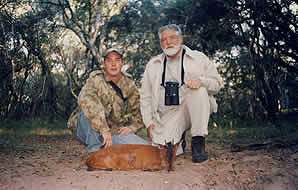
106,110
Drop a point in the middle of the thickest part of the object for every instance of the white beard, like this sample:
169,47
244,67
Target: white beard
171,51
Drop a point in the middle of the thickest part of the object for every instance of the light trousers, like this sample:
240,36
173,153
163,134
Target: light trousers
193,113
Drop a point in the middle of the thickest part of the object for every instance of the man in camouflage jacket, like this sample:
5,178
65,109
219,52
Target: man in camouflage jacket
109,107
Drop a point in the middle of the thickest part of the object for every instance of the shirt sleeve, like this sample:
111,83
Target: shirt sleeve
211,78
91,105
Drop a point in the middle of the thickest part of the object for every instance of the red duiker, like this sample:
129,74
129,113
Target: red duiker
133,157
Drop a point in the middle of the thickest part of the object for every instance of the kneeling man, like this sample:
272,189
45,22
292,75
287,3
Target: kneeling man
177,92
109,108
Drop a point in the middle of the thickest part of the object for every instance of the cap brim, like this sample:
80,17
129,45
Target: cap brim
113,50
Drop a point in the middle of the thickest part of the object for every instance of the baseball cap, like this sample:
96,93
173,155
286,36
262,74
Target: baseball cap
113,50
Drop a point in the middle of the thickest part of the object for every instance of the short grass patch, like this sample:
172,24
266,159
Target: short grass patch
244,132
253,132
12,132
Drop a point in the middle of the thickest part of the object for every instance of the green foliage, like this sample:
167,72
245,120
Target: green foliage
66,102
253,42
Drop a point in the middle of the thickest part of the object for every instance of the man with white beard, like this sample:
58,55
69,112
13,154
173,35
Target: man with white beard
177,93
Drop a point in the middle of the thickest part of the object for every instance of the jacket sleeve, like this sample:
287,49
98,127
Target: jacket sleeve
134,104
146,98
210,79
92,107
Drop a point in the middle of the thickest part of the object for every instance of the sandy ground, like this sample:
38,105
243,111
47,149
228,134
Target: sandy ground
57,163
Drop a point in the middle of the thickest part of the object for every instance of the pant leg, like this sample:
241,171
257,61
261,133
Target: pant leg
87,135
130,138
172,125
197,102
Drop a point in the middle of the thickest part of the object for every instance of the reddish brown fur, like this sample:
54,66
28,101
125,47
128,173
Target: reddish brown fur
129,157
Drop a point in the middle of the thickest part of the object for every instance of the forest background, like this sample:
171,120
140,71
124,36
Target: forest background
48,48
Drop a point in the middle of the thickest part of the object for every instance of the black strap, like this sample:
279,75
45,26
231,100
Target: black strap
164,70
182,68
117,90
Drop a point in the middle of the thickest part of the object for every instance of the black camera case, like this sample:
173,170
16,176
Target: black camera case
171,93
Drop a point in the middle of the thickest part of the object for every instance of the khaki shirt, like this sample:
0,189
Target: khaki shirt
106,110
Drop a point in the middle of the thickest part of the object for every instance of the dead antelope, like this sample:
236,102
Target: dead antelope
133,157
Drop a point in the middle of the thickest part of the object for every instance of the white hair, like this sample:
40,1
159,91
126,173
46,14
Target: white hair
173,27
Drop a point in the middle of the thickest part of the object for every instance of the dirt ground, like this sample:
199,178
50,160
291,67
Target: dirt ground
57,163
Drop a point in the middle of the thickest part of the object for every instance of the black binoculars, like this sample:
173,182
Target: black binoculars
171,93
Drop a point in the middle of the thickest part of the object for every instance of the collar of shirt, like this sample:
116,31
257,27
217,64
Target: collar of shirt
108,80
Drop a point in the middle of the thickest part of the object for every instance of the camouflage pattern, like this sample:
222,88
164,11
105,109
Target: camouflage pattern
105,110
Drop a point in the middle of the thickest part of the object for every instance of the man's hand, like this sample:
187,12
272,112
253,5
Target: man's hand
149,131
107,139
125,130
193,84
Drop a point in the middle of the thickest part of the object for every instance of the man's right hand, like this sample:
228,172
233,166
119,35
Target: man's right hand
149,131
107,139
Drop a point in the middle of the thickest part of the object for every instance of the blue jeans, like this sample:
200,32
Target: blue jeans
93,140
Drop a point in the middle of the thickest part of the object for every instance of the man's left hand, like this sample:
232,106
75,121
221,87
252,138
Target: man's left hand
193,84
125,130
